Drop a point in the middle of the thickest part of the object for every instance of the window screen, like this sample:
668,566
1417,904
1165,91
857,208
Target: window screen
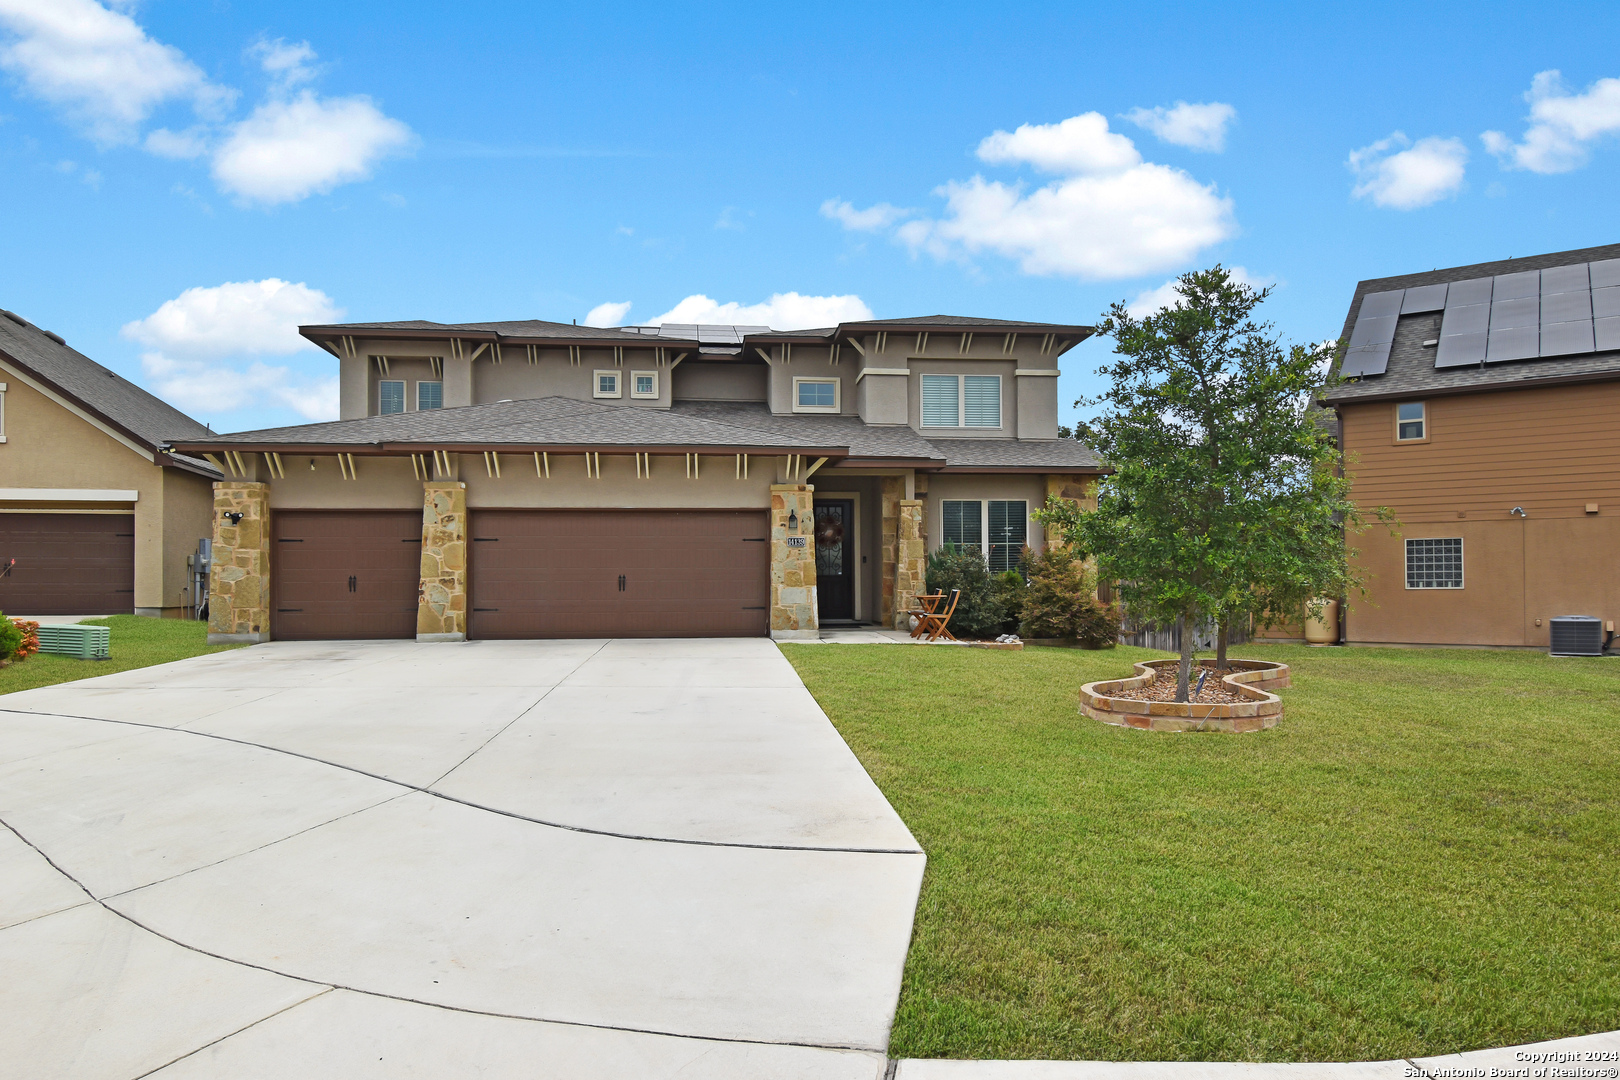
430,395
981,400
817,395
940,407
962,524
1434,564
391,396
1409,420
1009,532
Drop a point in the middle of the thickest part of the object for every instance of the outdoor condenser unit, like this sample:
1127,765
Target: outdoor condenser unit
1576,635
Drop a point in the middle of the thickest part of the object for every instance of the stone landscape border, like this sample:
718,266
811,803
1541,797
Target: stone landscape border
1253,681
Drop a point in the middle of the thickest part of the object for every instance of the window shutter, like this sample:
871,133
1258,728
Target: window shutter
982,394
939,401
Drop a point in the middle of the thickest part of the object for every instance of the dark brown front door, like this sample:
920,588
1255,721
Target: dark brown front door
345,573
835,558
67,564
606,573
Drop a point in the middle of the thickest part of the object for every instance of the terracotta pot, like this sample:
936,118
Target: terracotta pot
1323,631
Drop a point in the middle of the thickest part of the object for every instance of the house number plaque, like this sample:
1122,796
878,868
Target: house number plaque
795,541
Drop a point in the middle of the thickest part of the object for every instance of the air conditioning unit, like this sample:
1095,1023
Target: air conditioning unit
1576,635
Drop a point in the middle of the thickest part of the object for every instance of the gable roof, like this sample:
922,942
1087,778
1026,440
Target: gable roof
111,399
1411,367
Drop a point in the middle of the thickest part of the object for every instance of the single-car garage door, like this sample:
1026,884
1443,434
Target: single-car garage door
631,573
67,564
345,574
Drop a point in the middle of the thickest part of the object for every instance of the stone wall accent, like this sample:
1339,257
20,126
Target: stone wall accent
794,616
441,611
1077,489
893,490
911,561
1253,680
239,576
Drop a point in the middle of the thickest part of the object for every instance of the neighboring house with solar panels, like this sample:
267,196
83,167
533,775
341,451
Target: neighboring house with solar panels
94,518
1482,409
536,479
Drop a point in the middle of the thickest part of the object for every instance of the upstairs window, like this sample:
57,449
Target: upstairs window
644,384
430,395
1434,564
391,396
1411,422
606,384
815,395
961,401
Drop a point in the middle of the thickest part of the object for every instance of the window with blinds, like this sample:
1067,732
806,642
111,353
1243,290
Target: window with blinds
941,401
1009,532
391,396
430,395
962,524
981,401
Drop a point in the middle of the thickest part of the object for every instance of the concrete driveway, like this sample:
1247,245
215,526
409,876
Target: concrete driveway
381,859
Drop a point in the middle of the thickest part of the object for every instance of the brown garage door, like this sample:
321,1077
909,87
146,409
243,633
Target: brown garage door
345,574
67,564
604,573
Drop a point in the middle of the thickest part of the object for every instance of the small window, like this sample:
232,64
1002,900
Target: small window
644,384
1434,564
815,395
391,396
430,395
941,401
607,384
961,401
1009,532
963,524
1411,423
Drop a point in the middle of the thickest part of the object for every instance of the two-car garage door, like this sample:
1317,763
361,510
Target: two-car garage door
533,573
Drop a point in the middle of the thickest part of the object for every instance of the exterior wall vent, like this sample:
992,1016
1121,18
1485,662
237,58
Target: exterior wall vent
1576,635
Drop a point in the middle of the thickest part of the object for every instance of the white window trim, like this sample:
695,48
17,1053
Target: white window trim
634,375
618,383
1423,420
984,521
961,403
429,382
1406,555
2,412
838,395
404,396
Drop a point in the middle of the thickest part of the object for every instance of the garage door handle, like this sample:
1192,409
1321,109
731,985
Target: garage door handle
279,609
352,583
621,583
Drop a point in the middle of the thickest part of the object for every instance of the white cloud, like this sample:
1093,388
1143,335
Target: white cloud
608,314
290,149
235,319
879,216
1198,127
99,67
1166,295
204,389
288,65
1080,144
179,145
783,311
1561,125
1424,172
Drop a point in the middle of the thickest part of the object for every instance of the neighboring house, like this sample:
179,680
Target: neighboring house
94,519
1482,410
536,479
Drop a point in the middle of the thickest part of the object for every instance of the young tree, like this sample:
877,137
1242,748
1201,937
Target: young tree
1227,497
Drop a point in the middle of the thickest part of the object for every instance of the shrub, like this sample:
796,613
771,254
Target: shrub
30,637
1060,602
11,638
1010,590
981,611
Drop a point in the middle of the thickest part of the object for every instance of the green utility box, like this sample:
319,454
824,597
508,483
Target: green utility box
84,642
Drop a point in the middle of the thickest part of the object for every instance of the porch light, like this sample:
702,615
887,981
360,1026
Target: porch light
793,521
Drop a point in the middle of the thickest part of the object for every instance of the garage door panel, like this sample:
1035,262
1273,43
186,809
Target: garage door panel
557,573
345,574
68,564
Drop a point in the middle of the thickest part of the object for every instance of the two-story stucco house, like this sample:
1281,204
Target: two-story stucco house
536,479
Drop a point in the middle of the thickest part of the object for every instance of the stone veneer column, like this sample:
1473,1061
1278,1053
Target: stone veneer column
239,575
793,569
1076,489
893,489
441,609
911,562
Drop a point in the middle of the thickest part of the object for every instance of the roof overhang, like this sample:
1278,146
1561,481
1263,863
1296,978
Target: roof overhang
330,337
403,449
1525,382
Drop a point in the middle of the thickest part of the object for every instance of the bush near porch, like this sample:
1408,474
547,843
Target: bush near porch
1420,859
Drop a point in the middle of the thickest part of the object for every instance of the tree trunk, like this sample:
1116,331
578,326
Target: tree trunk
1220,643
1184,669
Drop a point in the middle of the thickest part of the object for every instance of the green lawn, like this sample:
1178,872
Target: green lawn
135,642
1423,857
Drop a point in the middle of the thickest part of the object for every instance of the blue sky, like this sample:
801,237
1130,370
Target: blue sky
504,161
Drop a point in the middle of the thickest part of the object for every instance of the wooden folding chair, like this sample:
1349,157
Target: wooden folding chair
935,623
930,603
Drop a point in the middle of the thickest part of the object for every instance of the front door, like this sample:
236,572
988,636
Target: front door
835,558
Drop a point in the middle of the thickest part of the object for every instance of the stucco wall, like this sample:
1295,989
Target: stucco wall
1009,395
699,381
944,486
813,363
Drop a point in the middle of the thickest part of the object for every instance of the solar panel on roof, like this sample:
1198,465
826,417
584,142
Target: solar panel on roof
1606,334
1466,293
1365,360
1509,314
1605,274
1566,338
1474,319
679,330
1460,350
1516,286
1605,303
1517,343
1566,307
1557,279
1424,298
1380,305
1372,331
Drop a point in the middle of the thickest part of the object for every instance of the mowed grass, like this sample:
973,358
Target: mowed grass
1423,857
136,642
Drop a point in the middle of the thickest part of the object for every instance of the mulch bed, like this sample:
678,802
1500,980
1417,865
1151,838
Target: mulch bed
1163,688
